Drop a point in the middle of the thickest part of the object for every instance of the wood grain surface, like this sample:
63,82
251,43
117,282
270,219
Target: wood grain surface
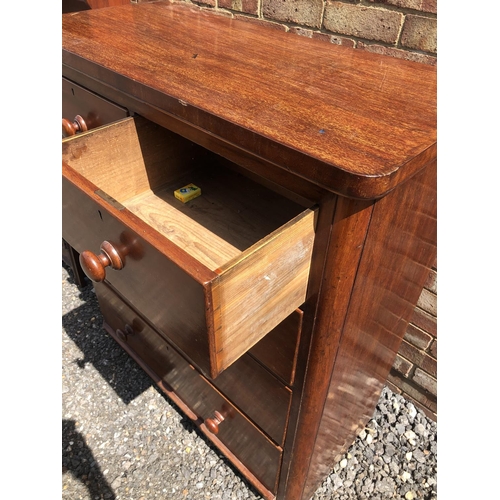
358,124
344,248
350,132
140,165
277,351
261,287
399,249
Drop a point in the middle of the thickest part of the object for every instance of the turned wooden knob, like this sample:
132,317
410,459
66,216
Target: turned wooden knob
212,424
123,335
71,128
94,266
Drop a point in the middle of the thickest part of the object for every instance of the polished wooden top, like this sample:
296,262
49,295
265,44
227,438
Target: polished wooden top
353,122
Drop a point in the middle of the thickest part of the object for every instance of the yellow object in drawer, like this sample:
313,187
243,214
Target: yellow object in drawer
187,193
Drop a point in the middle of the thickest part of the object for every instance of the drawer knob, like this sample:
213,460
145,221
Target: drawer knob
71,128
123,335
94,266
212,424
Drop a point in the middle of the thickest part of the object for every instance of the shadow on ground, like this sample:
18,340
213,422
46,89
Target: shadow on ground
77,459
83,325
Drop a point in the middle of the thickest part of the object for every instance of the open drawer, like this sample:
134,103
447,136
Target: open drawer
215,274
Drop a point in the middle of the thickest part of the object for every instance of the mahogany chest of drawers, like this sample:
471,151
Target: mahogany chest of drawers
271,307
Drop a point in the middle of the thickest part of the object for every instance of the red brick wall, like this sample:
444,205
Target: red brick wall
398,28
414,373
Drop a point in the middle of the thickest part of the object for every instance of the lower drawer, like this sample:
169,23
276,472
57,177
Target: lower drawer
248,444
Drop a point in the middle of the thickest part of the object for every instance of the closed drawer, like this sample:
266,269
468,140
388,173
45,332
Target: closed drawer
216,274
84,109
164,364
91,108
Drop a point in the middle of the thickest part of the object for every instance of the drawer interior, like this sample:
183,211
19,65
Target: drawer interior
140,165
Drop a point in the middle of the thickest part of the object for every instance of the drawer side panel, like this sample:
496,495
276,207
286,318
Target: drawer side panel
130,157
261,288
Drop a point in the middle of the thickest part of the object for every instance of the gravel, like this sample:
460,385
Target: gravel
123,439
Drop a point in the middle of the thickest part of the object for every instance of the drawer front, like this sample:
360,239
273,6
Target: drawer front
243,439
94,110
259,395
172,300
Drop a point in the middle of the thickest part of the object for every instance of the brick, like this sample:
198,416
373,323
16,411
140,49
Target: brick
414,392
365,22
422,5
426,381
411,353
420,33
301,31
408,387
397,390
211,3
428,302
433,349
429,365
325,37
417,337
340,40
394,388
431,283
402,365
418,357
247,6
399,53
304,12
429,6
336,40
424,321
